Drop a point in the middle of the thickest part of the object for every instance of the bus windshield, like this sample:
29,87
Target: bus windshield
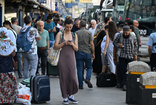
141,10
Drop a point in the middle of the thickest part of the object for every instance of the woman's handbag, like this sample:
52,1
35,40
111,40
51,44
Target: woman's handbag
53,56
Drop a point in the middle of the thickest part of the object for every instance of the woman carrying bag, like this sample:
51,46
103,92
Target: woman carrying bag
8,83
68,41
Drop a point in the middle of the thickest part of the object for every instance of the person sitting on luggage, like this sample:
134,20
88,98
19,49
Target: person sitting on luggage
68,41
43,46
128,51
8,82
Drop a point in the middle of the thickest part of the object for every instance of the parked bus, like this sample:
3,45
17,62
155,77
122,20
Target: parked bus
145,12
118,10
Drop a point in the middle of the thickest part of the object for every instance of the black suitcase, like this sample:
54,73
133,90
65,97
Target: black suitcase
40,88
52,70
106,80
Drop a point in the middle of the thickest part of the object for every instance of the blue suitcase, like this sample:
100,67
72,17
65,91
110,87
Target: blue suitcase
40,89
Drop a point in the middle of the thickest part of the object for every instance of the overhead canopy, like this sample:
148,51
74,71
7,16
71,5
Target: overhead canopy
30,5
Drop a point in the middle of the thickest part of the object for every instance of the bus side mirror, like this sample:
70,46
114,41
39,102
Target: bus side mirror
154,2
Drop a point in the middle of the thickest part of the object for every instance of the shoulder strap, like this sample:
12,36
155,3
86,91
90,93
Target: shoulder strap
121,38
28,29
73,35
13,33
61,36
96,35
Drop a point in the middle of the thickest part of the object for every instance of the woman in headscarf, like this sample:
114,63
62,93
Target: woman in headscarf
98,37
8,83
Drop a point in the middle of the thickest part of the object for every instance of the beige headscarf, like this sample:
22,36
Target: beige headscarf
100,27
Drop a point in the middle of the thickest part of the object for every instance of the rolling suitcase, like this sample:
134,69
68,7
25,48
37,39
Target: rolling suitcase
106,80
52,70
40,88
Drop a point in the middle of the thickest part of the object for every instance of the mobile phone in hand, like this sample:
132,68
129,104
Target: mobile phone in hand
69,40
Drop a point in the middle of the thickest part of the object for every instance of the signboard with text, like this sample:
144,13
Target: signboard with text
85,1
68,1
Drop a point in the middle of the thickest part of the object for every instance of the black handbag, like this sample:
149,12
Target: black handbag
107,79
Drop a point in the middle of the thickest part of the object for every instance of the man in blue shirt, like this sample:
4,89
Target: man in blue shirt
152,50
49,25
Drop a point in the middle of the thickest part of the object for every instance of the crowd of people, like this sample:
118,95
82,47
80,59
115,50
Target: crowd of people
89,47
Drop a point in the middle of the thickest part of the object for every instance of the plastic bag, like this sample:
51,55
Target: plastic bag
24,95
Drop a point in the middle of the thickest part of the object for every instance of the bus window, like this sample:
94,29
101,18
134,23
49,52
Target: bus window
147,2
154,2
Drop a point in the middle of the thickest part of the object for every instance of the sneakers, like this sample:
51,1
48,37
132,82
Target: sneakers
65,102
72,100
124,87
88,83
118,85
80,87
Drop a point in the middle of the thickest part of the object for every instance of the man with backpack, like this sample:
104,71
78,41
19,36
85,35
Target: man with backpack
26,43
128,44
85,54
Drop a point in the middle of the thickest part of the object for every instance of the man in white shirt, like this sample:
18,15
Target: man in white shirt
93,28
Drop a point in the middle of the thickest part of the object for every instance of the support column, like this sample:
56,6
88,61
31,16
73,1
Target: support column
1,15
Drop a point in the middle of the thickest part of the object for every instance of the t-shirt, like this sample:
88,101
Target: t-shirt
84,38
32,35
136,31
44,37
50,26
152,39
92,31
103,43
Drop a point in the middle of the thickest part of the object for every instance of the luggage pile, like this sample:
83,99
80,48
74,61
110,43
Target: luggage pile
34,90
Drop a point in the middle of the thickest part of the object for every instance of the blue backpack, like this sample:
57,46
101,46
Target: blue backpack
23,44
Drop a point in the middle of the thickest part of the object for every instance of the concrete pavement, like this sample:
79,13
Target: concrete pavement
87,96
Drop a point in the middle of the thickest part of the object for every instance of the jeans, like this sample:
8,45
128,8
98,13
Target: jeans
51,43
123,68
30,60
153,62
82,58
20,65
42,53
